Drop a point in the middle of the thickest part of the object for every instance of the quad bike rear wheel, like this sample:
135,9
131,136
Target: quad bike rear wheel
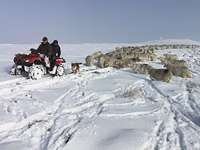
36,72
15,70
60,70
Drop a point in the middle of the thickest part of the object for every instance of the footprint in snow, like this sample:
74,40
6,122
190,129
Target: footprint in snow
17,83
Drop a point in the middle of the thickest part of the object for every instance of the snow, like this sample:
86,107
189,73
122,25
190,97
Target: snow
99,108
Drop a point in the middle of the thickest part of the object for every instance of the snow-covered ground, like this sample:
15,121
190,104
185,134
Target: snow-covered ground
99,109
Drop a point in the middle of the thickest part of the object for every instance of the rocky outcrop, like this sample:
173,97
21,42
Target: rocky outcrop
172,59
135,58
141,68
132,54
181,71
120,58
168,58
136,53
93,59
177,67
160,74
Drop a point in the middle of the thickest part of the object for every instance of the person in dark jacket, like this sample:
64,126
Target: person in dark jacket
55,53
45,48
56,48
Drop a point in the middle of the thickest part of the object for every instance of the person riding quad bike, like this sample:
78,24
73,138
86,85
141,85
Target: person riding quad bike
51,52
34,64
54,53
45,49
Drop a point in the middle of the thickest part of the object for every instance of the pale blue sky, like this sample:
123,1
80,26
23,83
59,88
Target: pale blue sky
99,21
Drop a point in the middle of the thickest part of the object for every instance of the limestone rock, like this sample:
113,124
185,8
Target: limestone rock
177,67
172,60
104,61
160,74
179,70
93,59
120,57
141,68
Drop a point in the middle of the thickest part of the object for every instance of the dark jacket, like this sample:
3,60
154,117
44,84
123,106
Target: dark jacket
45,49
56,49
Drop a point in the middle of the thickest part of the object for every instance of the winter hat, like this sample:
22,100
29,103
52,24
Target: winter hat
55,42
44,39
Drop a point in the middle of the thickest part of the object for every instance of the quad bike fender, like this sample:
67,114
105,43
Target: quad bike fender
26,68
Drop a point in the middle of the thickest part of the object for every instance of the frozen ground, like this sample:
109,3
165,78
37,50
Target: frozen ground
99,109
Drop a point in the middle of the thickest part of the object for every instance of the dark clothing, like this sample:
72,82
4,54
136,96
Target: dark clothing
55,53
52,60
45,49
51,51
56,49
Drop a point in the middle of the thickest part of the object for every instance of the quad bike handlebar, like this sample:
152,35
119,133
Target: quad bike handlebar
34,51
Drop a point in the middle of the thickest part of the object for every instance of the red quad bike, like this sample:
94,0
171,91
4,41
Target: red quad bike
35,65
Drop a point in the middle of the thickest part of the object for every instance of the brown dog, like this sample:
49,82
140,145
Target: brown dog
75,67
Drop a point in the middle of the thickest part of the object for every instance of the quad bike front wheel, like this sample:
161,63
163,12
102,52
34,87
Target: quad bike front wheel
36,72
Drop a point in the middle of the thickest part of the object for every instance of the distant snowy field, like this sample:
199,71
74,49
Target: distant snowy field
99,109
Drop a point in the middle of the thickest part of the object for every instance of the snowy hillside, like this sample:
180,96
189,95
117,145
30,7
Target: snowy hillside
99,109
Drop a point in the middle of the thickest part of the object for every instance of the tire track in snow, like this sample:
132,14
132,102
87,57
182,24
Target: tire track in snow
17,88
187,111
45,123
11,130
176,114
177,141
19,128
166,135
54,139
